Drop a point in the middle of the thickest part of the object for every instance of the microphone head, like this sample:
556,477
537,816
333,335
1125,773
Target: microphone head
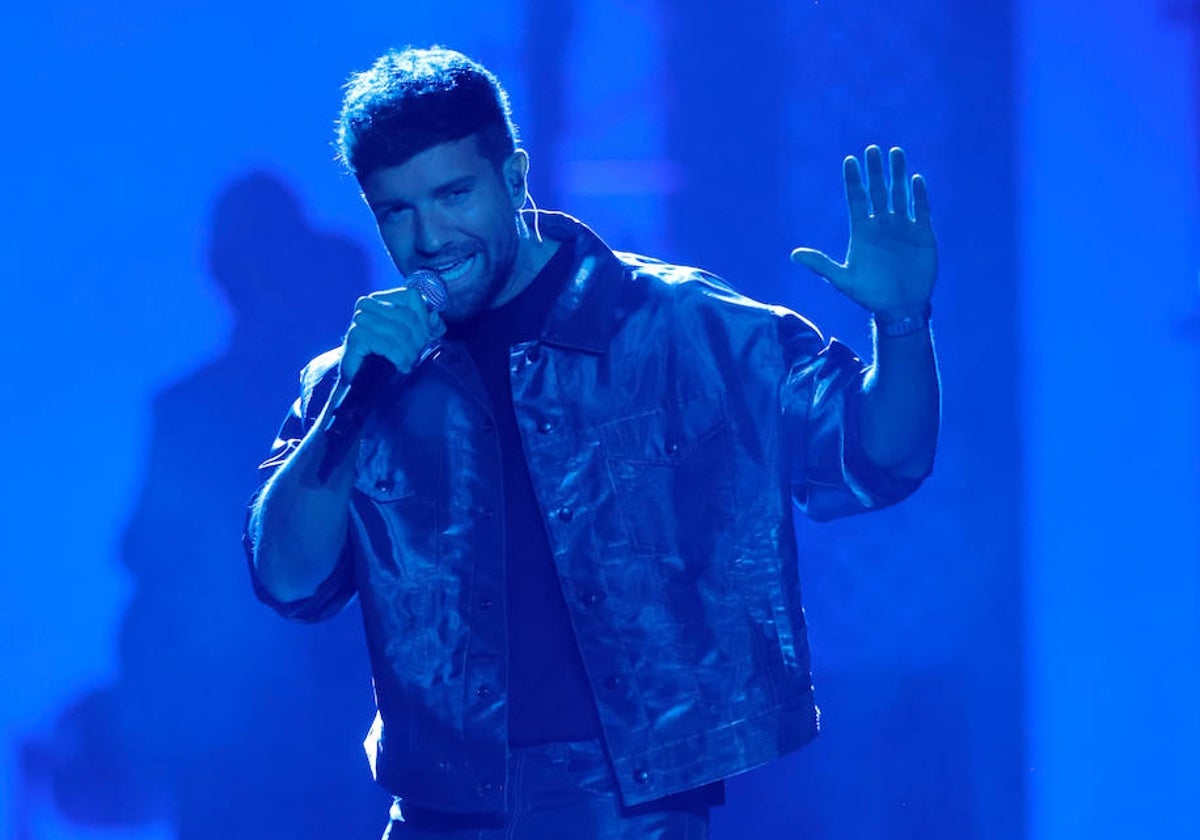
430,287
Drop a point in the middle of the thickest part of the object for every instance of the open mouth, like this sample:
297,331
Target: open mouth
458,269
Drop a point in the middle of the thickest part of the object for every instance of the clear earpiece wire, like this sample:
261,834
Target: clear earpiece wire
533,204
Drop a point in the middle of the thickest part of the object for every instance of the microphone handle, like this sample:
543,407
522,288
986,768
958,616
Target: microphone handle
348,414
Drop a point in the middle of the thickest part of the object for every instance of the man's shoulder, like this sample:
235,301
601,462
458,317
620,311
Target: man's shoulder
690,286
648,275
670,275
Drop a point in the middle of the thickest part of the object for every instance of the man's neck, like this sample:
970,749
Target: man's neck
532,256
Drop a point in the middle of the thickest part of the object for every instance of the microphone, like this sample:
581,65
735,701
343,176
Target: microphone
345,419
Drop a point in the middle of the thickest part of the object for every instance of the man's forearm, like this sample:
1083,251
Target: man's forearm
902,404
298,525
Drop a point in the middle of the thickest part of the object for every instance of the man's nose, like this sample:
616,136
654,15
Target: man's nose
429,235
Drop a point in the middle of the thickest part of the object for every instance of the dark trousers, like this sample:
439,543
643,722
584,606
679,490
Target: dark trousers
561,790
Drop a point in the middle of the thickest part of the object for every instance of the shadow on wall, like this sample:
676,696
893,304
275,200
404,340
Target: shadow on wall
226,720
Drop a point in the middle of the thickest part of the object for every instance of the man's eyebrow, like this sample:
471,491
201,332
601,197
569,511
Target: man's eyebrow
457,183
386,205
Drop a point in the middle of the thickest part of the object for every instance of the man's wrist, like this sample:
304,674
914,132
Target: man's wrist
899,325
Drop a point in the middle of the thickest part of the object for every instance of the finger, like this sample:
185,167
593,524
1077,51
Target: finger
381,306
394,311
393,319
899,181
397,321
402,296
856,193
920,200
437,327
818,263
360,341
369,336
876,183
374,334
377,305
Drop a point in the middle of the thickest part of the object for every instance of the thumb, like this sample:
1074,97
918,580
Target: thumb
817,262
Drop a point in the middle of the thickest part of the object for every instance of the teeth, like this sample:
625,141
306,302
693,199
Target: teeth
456,270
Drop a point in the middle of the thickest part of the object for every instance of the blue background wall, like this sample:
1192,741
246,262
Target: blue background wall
1012,653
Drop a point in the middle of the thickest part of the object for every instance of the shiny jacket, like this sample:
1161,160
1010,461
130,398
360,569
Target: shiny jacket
668,424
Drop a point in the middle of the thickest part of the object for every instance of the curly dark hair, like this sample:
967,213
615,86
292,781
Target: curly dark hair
413,99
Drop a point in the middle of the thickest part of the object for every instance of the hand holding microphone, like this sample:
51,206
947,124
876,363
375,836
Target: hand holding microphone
396,325
393,330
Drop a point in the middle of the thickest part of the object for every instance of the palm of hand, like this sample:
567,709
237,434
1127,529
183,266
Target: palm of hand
891,262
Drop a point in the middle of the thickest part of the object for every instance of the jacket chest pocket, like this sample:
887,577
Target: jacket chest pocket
672,476
388,473
396,524
402,449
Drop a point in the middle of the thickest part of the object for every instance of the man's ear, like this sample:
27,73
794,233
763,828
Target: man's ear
516,171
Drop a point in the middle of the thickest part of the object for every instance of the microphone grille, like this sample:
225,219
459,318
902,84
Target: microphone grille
430,287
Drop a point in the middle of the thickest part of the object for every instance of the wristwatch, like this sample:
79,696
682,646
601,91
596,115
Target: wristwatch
904,326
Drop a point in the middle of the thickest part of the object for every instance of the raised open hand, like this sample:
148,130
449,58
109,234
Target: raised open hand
891,262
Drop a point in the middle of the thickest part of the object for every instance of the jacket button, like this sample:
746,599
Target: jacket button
483,692
565,513
641,776
384,485
546,427
672,447
593,598
612,683
485,603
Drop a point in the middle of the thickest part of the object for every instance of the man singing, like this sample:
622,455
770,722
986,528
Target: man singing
567,514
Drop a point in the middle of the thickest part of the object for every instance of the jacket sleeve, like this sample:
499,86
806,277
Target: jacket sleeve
339,588
831,474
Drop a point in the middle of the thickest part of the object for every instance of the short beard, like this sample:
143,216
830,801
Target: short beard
461,312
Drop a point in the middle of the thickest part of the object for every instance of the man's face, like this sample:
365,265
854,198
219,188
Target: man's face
449,210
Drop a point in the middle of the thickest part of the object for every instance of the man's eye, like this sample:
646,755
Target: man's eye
455,196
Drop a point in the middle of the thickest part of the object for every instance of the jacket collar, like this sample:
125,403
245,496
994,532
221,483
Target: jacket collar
591,307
